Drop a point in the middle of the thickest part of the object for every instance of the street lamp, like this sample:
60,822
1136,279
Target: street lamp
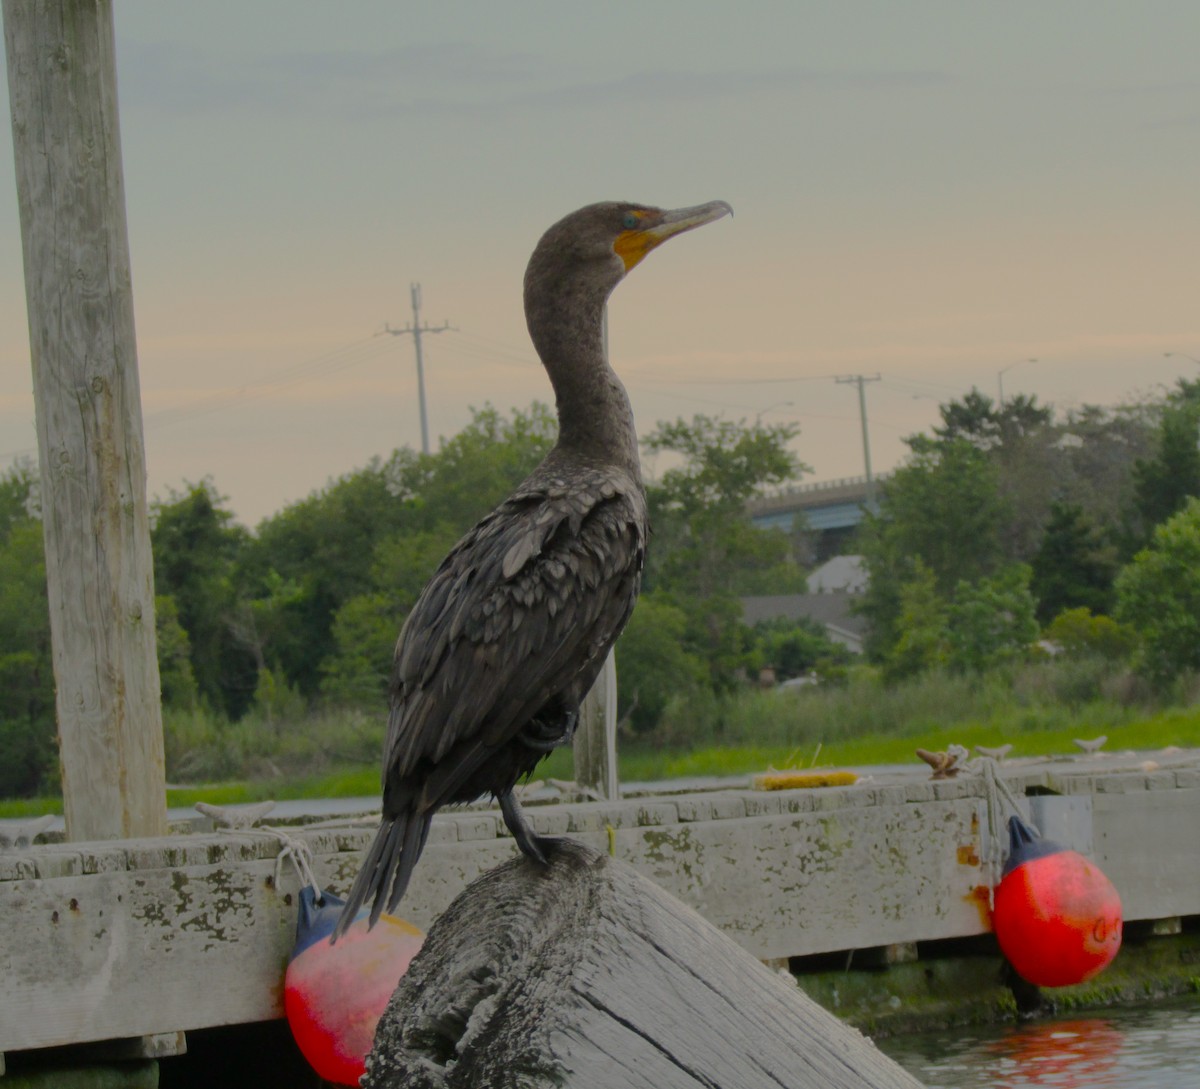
1182,355
770,408
1000,378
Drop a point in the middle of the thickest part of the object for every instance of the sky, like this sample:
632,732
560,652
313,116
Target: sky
936,193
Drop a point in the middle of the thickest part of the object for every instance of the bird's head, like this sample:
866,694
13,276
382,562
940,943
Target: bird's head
602,242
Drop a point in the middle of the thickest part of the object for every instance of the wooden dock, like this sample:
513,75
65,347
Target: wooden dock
146,938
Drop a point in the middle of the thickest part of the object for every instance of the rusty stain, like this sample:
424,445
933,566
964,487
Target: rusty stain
74,904
980,896
967,855
54,917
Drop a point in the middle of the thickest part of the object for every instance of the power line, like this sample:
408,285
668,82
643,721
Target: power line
416,329
339,359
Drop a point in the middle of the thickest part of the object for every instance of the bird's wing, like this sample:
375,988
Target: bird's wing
526,602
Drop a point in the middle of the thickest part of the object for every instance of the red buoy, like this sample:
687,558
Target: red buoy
1056,916
334,995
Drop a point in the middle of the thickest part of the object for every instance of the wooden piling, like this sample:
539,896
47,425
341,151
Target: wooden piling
70,190
586,974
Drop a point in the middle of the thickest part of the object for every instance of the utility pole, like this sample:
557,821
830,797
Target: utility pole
861,380
417,329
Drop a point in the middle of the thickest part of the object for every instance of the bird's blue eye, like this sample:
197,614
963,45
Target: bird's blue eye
630,221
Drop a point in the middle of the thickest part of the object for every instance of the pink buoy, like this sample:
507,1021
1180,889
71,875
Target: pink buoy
334,995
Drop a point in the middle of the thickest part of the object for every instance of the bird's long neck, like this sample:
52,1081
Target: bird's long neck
594,415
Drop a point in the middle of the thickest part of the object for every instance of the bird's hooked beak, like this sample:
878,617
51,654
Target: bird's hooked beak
632,245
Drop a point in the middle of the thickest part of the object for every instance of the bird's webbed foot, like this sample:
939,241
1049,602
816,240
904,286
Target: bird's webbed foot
544,735
532,845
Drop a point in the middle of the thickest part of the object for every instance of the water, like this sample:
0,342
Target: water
1155,1047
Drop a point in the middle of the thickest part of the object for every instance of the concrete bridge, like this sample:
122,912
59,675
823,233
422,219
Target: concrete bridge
832,509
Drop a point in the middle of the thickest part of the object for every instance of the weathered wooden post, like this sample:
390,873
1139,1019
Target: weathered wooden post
595,746
586,974
63,93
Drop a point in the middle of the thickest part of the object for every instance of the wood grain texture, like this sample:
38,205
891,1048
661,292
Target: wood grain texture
70,190
587,974
595,745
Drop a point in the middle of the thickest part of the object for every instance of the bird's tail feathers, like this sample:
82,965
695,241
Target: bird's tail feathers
380,870
413,843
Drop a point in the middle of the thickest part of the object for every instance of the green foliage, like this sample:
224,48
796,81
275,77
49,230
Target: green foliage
405,562
1074,566
1164,482
942,512
18,496
1079,633
796,648
978,420
379,530
474,470
725,462
706,552
1158,595
991,622
305,563
276,703
654,665
922,624
27,718
177,681
364,636
197,549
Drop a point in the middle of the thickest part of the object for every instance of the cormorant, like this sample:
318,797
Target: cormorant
508,636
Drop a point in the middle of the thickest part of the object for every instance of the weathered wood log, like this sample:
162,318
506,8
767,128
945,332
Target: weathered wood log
587,974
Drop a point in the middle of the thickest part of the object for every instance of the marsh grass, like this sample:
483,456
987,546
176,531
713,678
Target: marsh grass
1039,708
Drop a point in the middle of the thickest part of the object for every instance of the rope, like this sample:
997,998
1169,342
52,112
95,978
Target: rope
238,820
301,856
996,793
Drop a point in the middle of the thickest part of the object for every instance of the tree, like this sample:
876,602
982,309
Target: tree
364,636
705,543
1158,595
978,420
991,621
942,511
1077,632
795,647
725,463
305,563
705,551
177,682
18,496
922,637
354,538
1074,566
27,717
654,665
1164,482
473,471
197,549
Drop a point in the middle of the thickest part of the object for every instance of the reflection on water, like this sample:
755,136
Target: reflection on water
1157,1047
